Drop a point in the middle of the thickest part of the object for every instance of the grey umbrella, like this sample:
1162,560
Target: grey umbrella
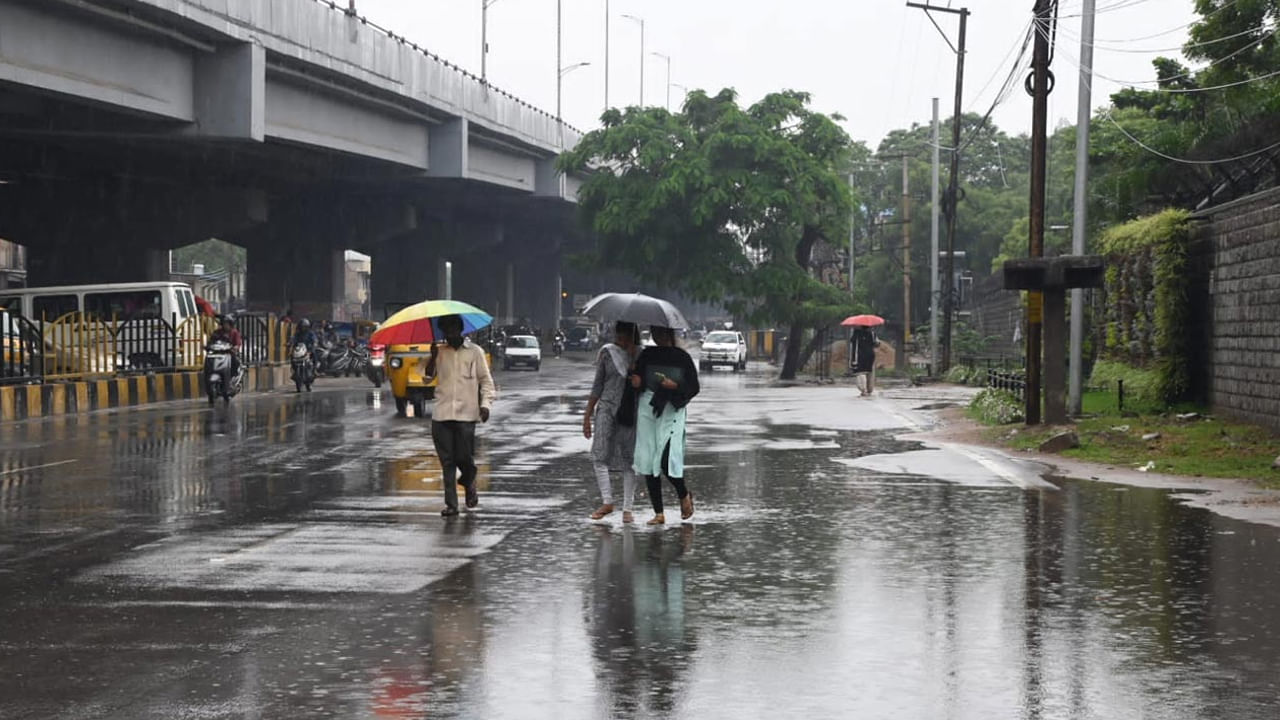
637,308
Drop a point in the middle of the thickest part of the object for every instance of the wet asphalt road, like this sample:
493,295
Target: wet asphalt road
284,558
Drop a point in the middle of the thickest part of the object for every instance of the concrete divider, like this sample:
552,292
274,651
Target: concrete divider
21,402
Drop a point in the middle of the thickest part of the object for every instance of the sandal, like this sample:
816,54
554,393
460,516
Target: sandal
602,511
658,519
686,506
627,517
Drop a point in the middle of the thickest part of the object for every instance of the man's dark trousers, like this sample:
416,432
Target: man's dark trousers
455,446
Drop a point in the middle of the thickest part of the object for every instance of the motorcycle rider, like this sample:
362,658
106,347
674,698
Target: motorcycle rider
228,333
304,335
558,342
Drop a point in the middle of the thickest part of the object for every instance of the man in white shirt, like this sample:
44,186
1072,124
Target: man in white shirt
464,396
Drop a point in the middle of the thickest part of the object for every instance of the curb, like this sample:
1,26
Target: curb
25,402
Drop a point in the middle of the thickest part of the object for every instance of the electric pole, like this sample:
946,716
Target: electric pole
1039,89
1080,216
951,199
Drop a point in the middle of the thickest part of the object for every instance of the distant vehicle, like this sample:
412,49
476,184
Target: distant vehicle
724,347
581,339
522,350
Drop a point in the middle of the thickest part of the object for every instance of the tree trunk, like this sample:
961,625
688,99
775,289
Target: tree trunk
791,361
804,253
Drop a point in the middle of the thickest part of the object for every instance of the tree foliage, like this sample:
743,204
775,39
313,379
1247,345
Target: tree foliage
722,202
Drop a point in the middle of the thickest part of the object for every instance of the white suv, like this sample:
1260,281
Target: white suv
724,347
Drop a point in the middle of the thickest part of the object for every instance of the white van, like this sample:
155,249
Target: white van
170,301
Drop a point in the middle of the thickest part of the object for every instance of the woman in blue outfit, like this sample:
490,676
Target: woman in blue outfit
667,380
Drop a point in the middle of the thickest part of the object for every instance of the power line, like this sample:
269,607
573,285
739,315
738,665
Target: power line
1098,45
1189,74
1171,31
1186,161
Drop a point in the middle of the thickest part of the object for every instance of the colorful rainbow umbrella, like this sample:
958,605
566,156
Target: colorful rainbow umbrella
416,324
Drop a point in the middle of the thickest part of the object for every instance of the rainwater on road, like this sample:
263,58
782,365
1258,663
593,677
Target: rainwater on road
285,558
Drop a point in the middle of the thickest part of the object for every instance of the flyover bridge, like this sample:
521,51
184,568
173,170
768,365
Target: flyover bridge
293,128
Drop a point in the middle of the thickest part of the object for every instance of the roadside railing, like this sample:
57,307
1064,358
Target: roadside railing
77,346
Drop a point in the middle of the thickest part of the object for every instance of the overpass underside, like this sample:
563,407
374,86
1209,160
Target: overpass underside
126,135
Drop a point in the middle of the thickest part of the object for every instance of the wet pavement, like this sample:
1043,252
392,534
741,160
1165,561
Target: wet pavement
285,558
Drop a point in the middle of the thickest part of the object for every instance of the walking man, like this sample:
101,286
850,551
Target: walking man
464,396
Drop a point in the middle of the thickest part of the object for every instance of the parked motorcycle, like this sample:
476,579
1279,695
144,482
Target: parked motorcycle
219,381
303,367
339,360
376,368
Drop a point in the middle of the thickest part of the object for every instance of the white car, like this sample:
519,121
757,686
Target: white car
522,350
724,347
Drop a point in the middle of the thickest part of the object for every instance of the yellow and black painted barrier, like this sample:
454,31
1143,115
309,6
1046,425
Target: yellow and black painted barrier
22,402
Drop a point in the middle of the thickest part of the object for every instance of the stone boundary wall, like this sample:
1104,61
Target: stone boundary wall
1237,251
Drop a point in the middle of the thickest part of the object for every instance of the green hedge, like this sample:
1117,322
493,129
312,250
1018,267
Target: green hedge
1145,302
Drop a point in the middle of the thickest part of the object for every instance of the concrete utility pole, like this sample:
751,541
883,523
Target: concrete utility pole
1039,89
933,250
640,21
853,222
1080,216
906,261
951,199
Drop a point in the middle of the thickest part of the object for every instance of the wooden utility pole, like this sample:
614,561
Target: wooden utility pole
951,199
1039,87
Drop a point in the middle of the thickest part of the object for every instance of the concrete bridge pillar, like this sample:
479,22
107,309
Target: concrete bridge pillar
296,262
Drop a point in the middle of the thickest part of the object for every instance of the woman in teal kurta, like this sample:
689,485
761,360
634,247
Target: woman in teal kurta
667,380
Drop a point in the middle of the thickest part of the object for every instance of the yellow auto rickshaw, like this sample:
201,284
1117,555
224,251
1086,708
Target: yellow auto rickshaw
407,371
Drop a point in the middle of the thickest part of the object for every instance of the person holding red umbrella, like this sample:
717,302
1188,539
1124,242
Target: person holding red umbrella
862,350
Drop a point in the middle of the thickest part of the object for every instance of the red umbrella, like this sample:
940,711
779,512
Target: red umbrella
863,321
206,307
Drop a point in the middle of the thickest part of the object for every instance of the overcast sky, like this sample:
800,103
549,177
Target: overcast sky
877,62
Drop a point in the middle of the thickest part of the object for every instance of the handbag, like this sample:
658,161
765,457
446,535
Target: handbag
626,414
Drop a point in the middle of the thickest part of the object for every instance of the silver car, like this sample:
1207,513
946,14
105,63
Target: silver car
724,347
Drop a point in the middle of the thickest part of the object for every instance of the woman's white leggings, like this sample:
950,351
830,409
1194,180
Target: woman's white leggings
606,486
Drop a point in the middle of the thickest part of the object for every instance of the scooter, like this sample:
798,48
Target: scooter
218,378
557,346
303,367
376,369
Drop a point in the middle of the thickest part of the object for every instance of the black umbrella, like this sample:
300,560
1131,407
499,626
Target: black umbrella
637,308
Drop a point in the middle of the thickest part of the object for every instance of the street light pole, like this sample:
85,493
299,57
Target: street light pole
606,54
484,40
668,59
640,20
684,91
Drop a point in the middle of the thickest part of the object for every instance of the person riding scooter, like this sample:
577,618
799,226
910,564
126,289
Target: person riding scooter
304,335
228,333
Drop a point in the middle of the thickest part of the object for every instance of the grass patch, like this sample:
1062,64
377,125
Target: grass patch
1206,447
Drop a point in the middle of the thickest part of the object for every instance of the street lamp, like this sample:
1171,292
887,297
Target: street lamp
484,40
559,93
668,59
640,21
684,90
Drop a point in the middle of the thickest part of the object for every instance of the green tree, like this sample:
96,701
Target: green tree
722,202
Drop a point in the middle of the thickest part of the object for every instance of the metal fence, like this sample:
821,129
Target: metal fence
77,345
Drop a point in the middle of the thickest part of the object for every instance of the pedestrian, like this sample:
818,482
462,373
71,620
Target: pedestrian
862,359
667,380
610,420
464,396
